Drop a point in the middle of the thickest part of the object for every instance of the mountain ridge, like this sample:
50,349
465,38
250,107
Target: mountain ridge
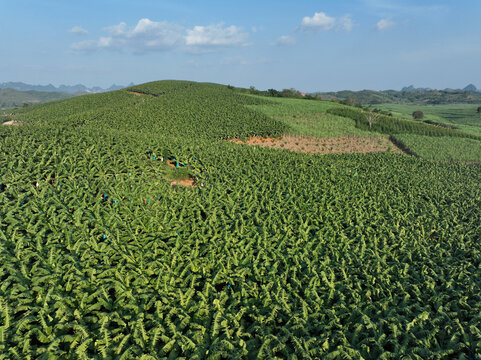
67,89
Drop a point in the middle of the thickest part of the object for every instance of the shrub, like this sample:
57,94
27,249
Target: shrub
418,115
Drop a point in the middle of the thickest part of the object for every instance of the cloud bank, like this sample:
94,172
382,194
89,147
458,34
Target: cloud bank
150,35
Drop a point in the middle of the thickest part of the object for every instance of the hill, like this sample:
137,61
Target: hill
270,254
10,98
407,96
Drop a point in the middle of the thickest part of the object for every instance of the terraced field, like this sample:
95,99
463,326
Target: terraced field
271,254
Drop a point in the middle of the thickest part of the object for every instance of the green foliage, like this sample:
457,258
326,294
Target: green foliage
390,125
310,118
418,115
393,97
460,116
443,148
278,255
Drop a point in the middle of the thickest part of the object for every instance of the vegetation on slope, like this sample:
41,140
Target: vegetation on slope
464,117
443,148
310,118
278,254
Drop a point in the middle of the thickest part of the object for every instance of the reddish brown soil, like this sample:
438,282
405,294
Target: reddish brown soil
12,122
135,93
186,182
314,145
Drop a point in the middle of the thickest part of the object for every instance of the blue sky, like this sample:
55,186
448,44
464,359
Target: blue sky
308,45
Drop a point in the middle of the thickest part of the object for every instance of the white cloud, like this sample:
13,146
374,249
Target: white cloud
384,24
321,21
78,30
215,36
146,36
150,35
286,40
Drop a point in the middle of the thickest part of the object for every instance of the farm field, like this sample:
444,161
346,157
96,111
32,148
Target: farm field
266,254
463,116
323,145
445,149
311,118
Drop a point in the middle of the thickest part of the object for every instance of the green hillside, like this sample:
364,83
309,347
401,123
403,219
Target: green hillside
271,254
419,97
462,116
10,98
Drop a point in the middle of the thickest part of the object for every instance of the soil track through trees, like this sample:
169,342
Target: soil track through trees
313,145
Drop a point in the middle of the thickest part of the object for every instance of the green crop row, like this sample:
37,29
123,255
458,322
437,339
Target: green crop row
272,254
389,125
443,148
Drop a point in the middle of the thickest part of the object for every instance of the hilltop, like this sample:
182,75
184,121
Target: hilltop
146,223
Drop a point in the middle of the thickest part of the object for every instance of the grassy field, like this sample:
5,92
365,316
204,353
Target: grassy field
309,118
462,116
443,148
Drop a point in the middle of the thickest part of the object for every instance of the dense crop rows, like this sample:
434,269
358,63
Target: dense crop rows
202,110
390,125
443,148
278,255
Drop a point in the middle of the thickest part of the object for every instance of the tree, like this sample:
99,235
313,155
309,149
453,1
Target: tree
418,115
479,110
290,93
351,101
372,117
273,93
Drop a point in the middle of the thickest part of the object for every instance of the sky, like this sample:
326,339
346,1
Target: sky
307,45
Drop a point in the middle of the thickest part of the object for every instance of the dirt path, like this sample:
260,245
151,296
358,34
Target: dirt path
312,145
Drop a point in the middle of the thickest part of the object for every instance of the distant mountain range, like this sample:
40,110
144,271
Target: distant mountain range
470,87
67,89
10,98
408,95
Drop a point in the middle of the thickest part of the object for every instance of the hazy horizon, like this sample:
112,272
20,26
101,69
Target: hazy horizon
353,45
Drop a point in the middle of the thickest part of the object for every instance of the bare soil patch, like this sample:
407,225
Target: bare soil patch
312,145
184,182
135,93
12,122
